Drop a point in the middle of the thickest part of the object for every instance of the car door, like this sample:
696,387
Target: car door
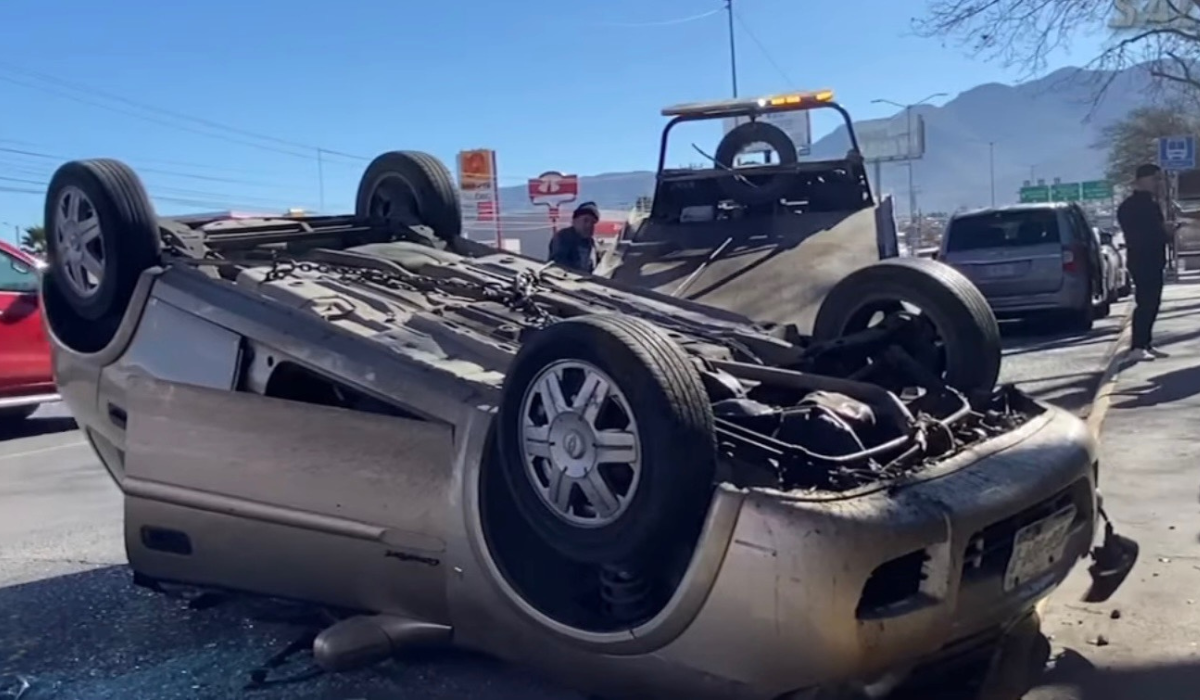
1007,252
24,350
1086,236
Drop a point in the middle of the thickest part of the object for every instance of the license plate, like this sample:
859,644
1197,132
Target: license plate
1037,547
1005,270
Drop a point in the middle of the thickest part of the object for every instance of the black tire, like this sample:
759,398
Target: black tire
16,414
422,189
1103,309
129,235
958,310
1080,320
737,139
675,429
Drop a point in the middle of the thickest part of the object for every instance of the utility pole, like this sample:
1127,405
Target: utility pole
992,168
321,178
732,48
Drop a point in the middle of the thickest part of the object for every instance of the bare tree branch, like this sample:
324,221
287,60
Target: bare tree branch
1023,34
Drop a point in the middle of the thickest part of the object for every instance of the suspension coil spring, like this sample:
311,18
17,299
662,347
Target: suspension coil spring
626,594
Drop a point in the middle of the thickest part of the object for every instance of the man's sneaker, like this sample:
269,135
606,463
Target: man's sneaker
1157,353
1139,354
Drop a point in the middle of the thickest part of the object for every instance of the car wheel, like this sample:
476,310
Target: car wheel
1103,309
101,235
966,335
410,188
16,414
607,440
1080,320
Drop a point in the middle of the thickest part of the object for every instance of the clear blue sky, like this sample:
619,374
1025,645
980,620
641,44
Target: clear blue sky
573,85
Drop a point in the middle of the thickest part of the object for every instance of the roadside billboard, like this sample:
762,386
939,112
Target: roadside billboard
883,140
480,194
796,124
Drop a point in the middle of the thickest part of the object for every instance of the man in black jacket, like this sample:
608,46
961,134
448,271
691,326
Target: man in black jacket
1146,237
574,247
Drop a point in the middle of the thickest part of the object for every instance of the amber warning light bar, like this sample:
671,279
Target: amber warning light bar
757,105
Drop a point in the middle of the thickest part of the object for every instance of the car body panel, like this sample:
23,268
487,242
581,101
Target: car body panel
381,513
1026,273
26,377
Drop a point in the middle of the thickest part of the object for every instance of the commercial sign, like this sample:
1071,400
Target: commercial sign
883,140
480,192
1177,152
1090,191
552,189
797,124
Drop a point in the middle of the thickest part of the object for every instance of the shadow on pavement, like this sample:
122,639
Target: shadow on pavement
95,636
32,427
1019,343
1074,395
1162,388
1073,676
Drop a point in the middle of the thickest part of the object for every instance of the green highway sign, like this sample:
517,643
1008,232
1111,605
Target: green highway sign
1036,193
1089,191
1065,192
1097,189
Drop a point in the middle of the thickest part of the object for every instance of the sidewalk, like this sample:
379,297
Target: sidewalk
1150,478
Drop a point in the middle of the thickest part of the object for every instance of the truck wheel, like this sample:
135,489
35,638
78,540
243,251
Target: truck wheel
410,188
607,440
101,235
965,332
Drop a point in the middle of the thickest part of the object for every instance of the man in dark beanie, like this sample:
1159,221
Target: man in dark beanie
573,247
1146,238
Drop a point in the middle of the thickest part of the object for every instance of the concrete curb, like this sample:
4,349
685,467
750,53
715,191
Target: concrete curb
1114,361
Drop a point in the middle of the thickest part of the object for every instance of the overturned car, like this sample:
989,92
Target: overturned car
638,494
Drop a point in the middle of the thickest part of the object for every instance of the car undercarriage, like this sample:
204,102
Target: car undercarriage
451,444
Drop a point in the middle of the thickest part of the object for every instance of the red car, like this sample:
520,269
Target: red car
26,380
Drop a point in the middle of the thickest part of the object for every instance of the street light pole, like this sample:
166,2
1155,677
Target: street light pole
908,137
912,190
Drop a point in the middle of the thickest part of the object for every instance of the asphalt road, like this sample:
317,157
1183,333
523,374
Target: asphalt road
72,626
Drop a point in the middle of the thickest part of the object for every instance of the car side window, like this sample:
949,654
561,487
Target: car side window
15,276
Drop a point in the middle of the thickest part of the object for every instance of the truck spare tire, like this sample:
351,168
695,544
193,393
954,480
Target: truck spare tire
410,188
606,440
959,314
736,141
101,235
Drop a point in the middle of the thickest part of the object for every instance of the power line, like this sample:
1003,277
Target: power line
662,23
157,171
305,151
761,47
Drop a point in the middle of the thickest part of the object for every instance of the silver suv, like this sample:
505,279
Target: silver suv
1031,259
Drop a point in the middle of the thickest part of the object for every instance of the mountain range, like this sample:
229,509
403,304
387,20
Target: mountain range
1040,129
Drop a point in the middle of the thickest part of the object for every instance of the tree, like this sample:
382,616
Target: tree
1134,140
1165,34
34,240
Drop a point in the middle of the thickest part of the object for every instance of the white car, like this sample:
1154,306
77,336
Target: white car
1112,243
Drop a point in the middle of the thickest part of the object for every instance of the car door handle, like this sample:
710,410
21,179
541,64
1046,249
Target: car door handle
117,416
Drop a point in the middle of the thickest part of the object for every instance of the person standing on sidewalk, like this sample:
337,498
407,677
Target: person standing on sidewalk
1146,237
